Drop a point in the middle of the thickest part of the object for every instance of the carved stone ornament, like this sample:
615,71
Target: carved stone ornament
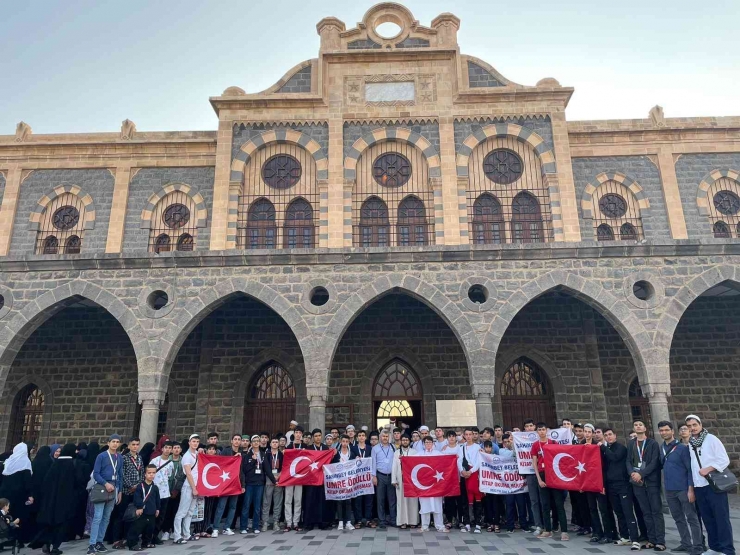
22,132
128,130
657,117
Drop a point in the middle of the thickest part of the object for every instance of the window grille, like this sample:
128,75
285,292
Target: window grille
392,202
271,400
396,381
279,199
616,213
61,228
526,393
724,208
28,416
507,197
173,224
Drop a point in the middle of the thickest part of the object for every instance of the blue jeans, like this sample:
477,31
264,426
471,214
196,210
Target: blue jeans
220,507
252,498
100,520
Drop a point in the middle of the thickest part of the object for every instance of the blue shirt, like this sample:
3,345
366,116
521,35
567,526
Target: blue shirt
676,460
382,458
103,470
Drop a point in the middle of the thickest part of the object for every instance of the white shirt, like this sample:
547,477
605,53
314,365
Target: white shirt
439,445
190,459
470,452
447,450
711,453
162,477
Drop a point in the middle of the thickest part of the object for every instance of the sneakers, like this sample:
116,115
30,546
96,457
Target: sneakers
214,534
537,531
636,547
91,550
622,541
264,527
256,531
477,530
165,536
340,526
243,532
466,529
348,526
227,532
100,548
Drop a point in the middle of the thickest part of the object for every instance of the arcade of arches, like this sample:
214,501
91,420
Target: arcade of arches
242,369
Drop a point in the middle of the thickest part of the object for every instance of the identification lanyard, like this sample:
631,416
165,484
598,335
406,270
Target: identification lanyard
275,463
343,457
146,493
362,451
665,455
137,465
114,465
385,453
640,450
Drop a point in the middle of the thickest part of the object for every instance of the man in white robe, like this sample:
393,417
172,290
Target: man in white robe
407,508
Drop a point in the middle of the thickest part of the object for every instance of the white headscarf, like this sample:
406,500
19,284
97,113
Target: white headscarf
18,460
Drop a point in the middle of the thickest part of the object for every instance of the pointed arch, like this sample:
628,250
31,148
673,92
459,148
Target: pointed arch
12,392
85,199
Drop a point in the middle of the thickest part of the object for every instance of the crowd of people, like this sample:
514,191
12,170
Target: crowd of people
139,497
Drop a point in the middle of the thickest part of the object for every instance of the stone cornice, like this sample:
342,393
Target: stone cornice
440,254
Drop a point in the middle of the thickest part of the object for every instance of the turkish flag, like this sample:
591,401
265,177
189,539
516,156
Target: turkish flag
573,467
433,476
218,475
302,467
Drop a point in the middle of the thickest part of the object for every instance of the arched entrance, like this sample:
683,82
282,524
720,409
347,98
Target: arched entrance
639,405
526,393
27,416
270,402
397,396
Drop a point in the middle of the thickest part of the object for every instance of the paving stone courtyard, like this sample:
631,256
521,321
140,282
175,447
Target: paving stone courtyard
395,541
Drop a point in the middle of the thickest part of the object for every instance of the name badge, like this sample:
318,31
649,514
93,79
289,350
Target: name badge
258,471
274,470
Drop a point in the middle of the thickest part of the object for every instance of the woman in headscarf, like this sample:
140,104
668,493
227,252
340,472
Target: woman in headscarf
93,450
146,453
160,444
57,492
56,450
83,470
17,487
40,466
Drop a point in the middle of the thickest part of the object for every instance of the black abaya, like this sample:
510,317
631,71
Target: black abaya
17,488
57,492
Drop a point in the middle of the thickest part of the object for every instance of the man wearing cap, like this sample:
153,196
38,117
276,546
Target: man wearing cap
350,431
423,432
188,494
708,454
294,494
290,432
107,473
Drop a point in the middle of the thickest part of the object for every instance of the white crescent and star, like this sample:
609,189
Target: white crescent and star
581,467
294,465
224,475
439,476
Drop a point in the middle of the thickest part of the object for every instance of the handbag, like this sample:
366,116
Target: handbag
98,494
129,515
719,481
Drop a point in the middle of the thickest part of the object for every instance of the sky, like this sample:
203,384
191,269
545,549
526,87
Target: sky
78,66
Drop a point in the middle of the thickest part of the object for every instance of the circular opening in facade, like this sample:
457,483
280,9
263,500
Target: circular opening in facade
2,302
157,300
478,294
503,166
388,30
319,296
643,290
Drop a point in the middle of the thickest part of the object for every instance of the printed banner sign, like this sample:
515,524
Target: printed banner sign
523,445
349,479
500,475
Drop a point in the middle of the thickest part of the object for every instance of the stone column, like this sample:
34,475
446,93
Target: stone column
117,218
566,184
484,410
658,409
221,187
316,411
10,203
149,420
671,193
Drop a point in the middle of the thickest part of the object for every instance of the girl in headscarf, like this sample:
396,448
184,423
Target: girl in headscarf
83,470
17,487
92,453
57,492
56,450
146,453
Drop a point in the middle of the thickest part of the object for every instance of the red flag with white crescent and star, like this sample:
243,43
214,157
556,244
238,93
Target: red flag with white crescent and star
430,476
573,467
218,475
304,467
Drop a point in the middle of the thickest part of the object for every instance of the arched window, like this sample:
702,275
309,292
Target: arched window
62,226
397,395
270,401
174,223
374,224
605,233
27,416
261,228
299,229
488,221
526,219
639,405
628,232
412,222
285,175
721,230
526,393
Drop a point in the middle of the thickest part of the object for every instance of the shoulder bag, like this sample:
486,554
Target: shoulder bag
720,482
98,494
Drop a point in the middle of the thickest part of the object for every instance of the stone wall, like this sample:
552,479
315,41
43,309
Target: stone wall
427,129
691,169
152,180
705,371
242,133
398,326
480,77
2,187
299,82
86,359
539,124
643,171
97,183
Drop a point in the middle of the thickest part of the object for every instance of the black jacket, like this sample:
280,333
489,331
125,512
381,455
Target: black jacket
336,458
650,469
250,467
614,457
356,450
152,503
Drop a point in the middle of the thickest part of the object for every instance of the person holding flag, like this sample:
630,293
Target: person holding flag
319,511
549,497
431,505
468,463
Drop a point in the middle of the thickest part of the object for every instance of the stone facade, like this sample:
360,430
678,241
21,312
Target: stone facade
191,330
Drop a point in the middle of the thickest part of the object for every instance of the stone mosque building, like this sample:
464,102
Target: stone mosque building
393,229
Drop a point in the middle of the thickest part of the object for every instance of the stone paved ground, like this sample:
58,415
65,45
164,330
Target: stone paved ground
395,541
